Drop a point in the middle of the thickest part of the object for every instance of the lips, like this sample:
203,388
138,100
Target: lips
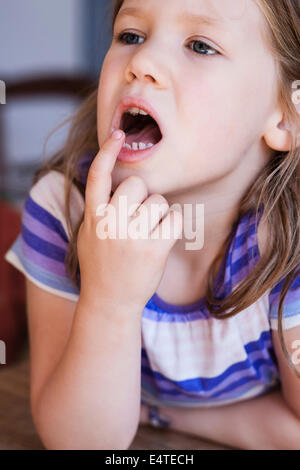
136,102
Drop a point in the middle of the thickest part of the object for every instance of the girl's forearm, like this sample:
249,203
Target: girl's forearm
92,399
262,423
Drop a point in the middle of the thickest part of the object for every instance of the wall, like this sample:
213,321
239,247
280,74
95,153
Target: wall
39,37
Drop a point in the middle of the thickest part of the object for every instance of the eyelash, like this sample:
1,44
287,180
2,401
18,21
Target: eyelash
120,37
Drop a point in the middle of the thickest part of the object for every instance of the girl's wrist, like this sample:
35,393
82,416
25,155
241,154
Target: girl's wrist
109,306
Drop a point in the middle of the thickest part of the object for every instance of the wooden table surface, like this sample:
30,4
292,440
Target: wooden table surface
17,431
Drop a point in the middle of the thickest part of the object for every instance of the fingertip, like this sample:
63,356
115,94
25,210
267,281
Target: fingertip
118,134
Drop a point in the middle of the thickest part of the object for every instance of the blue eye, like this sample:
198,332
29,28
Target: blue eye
204,48
120,38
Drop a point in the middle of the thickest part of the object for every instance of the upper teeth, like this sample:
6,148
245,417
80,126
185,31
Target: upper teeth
135,111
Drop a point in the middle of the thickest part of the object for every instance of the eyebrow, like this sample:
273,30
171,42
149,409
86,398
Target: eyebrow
185,17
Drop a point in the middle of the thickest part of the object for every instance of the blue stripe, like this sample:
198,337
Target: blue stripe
200,385
243,261
241,239
154,313
245,380
186,402
291,309
206,384
278,287
249,229
44,277
42,246
43,216
258,344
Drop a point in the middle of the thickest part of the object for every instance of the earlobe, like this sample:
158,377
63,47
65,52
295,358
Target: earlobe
278,139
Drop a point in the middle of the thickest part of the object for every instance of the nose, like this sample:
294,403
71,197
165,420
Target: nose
144,67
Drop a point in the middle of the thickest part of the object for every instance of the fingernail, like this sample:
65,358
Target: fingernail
117,135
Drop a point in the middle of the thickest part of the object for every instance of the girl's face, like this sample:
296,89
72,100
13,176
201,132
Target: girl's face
211,81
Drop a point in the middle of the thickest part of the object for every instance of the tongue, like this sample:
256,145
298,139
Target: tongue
149,134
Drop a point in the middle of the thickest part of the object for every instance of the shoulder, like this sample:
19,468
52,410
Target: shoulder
47,197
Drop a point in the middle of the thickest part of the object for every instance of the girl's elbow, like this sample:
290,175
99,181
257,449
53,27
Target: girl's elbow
54,438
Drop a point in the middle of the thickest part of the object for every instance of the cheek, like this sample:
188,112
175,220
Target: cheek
215,136
206,97
213,114
228,113
106,83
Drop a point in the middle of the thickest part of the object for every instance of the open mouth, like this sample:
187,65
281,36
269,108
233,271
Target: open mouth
142,131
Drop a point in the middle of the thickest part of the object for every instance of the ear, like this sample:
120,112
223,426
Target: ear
278,135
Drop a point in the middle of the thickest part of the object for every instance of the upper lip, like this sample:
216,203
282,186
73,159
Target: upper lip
136,102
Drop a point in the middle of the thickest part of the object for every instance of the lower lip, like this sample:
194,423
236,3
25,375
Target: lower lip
132,156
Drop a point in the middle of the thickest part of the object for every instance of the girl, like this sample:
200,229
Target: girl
196,335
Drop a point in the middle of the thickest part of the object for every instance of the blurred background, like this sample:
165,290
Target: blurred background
51,55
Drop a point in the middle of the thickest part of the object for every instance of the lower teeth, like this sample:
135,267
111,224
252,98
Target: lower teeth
137,146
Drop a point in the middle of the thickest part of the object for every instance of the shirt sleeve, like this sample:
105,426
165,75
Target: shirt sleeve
291,305
40,249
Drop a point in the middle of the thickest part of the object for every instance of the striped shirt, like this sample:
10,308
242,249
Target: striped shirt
188,358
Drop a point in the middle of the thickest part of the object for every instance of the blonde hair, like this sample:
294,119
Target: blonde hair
277,186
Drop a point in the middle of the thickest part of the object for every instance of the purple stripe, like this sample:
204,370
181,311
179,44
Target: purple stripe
194,397
233,378
239,252
36,227
48,264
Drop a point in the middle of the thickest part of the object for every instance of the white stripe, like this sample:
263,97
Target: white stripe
203,348
14,260
287,322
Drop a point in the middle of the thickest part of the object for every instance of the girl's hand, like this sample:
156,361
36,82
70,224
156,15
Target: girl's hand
125,271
